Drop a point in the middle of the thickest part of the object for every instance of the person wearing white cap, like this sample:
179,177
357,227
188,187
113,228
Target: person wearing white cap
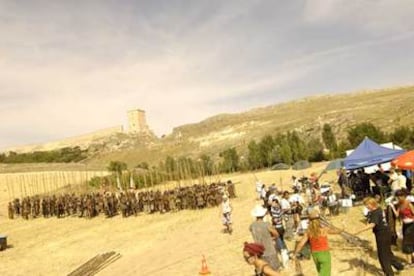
262,232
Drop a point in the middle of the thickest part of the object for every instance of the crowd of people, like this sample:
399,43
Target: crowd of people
378,183
298,213
286,211
126,203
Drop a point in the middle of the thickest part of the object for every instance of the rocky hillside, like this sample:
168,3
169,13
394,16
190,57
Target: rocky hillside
386,108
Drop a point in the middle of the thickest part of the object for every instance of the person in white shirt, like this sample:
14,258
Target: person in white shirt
284,203
394,181
259,186
332,204
296,202
296,197
402,180
272,196
226,214
287,215
296,184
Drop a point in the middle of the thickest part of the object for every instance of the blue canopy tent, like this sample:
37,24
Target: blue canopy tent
369,153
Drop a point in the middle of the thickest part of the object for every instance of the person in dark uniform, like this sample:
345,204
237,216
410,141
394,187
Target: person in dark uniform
231,189
10,210
378,224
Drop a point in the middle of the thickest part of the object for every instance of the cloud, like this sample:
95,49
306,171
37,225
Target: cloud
373,17
68,68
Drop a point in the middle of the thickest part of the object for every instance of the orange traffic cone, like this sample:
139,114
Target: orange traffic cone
204,267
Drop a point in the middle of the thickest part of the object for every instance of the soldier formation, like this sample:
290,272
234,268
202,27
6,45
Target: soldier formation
128,203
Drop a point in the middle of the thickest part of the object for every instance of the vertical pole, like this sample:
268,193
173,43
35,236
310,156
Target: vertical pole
152,183
26,183
8,187
45,191
145,179
22,184
187,172
180,173
35,187
34,184
13,184
42,178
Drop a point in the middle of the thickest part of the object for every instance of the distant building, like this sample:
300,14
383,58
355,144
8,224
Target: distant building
137,122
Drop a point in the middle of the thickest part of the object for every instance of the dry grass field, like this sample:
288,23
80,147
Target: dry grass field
167,244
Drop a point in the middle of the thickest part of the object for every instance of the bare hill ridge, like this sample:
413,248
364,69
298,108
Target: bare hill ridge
387,108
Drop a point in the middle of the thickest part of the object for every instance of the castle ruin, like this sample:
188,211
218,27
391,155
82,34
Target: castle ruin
137,122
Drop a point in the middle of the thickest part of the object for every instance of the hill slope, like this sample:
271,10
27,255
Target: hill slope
386,108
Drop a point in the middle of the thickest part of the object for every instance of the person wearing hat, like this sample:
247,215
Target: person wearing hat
226,209
317,236
252,253
264,233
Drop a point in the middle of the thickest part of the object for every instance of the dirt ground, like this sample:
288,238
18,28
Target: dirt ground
167,244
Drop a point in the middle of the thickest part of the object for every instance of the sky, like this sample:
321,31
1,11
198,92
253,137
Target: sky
72,67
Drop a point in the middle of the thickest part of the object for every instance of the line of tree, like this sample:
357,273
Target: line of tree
291,147
144,176
285,148
63,155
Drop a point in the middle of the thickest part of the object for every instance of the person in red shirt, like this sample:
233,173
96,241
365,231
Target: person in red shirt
317,235
406,213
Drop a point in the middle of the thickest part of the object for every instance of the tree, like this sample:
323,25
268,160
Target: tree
297,146
95,181
171,167
206,164
230,160
65,155
315,147
401,136
329,138
266,146
285,153
357,134
342,148
117,167
253,155
143,165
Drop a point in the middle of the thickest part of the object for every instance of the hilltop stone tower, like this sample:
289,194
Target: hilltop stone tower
137,122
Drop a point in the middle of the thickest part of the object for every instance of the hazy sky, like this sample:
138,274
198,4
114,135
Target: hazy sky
70,67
